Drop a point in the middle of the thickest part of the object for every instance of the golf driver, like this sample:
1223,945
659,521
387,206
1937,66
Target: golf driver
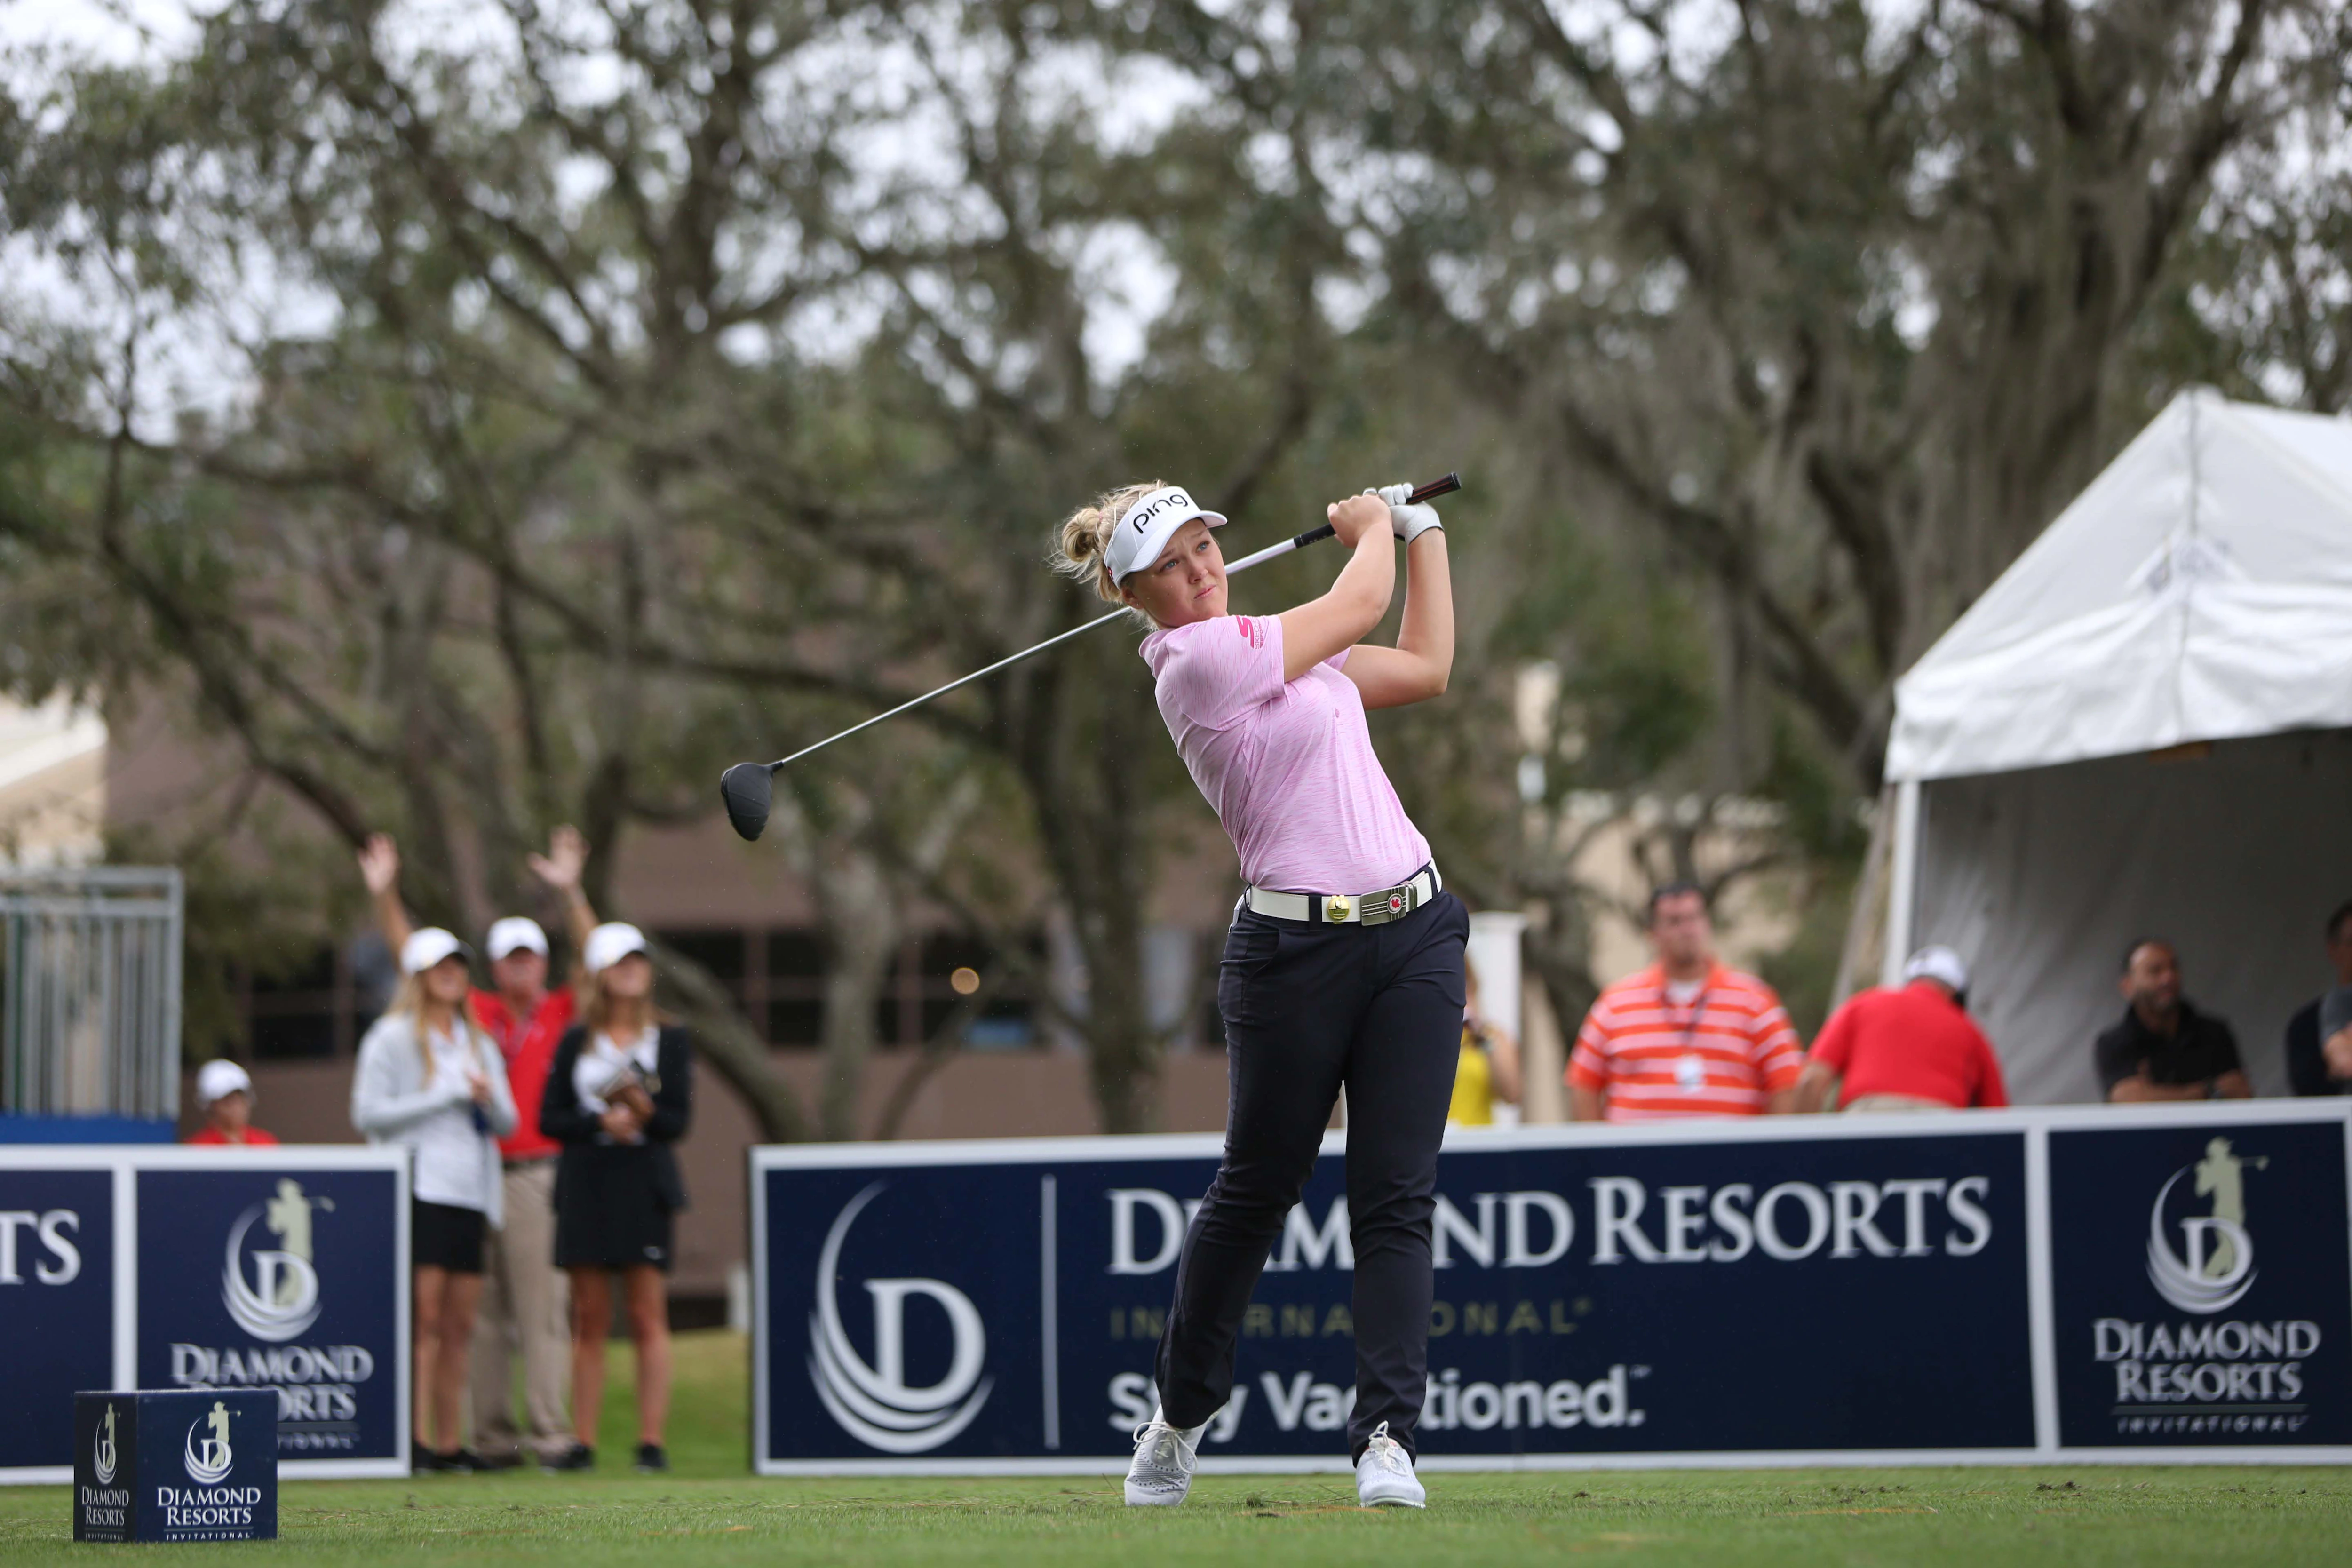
749,788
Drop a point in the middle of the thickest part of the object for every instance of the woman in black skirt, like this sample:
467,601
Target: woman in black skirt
618,1095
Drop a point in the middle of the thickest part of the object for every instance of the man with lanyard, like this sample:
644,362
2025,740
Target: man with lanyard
1686,1036
523,1298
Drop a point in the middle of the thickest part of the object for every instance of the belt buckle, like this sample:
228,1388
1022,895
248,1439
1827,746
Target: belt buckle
1388,904
1336,908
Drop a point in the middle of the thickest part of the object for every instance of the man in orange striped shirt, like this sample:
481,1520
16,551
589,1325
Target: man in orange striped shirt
1686,1036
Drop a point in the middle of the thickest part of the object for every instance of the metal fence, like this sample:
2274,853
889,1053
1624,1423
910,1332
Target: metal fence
90,991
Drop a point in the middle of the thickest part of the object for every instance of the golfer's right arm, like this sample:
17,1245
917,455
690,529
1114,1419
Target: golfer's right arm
1340,618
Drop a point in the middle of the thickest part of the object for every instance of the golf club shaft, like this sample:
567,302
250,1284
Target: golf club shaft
1429,491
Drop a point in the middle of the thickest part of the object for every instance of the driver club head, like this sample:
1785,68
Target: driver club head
748,788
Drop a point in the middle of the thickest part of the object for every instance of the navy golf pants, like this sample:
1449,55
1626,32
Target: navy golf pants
1308,1008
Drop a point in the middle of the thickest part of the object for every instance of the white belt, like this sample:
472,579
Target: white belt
1349,909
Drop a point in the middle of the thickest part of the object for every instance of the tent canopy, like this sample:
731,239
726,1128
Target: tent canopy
2198,591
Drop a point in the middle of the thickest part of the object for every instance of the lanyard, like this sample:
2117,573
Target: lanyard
521,1027
1697,1011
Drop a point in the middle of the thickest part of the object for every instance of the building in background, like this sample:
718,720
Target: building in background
52,785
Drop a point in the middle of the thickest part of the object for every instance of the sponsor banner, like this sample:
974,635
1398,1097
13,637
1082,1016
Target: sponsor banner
56,1305
303,1298
1598,1296
174,1467
2200,1289
281,1272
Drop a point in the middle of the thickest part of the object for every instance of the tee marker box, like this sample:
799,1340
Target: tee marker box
182,1465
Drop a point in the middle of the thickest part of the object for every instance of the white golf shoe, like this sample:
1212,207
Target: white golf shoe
1161,1473
1384,1477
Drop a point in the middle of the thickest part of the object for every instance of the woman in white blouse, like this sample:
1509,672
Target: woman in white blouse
431,1079
619,1093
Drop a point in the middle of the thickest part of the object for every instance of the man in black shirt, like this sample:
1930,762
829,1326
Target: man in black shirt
2310,1068
2164,1049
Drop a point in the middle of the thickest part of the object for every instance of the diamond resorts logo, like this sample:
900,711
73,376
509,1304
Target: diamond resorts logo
280,1301
872,1402
102,1458
208,1462
2215,1267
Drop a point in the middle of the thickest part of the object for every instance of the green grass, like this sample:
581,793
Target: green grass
710,1514
709,1409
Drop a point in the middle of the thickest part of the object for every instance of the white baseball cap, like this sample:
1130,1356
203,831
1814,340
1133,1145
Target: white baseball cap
611,942
218,1080
514,931
425,948
1149,525
1938,963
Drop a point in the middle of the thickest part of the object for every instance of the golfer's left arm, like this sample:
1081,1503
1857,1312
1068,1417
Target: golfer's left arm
1418,667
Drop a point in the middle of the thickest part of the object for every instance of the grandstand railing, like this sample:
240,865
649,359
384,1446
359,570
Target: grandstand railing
90,991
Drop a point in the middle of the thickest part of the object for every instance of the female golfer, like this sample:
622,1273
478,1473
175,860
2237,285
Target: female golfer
619,1093
1344,963
430,1077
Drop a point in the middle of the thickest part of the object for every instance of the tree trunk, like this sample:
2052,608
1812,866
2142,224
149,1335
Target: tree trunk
730,1048
861,921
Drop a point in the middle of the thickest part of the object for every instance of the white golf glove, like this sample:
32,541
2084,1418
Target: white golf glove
1407,519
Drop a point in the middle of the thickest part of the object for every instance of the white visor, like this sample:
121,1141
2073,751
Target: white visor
1149,525
512,933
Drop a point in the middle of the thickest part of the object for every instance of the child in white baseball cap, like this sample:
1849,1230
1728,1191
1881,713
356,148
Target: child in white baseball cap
224,1094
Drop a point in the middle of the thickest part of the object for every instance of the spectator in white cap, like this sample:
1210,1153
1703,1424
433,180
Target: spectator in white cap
619,1095
523,1307
1905,1047
429,1077
224,1094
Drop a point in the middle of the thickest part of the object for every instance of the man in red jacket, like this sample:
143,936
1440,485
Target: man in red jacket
1906,1048
523,1303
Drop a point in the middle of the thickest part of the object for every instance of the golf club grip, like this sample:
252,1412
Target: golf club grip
1428,492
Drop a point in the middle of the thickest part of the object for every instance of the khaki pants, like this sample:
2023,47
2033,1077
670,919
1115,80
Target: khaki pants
1897,1102
524,1306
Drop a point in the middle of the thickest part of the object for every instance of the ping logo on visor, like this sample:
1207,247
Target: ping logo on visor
1149,524
1152,505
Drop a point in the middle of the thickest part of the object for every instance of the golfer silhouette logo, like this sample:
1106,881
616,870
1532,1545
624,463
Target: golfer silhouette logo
280,1299
102,1455
2215,1267
872,1402
208,1462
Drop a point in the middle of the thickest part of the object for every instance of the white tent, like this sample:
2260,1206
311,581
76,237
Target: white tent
2144,728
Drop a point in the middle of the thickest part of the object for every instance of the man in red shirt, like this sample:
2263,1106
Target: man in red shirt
1907,1047
225,1094
1686,1036
523,1302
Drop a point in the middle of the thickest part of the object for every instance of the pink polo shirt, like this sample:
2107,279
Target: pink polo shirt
1287,766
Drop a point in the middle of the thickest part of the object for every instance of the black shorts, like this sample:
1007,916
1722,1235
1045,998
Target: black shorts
442,1236
611,1207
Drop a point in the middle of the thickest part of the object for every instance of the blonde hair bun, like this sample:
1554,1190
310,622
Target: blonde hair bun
1086,538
